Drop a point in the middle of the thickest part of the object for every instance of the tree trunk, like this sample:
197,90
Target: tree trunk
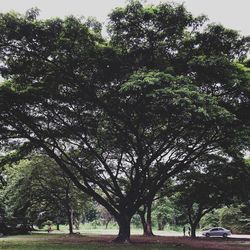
149,231
58,221
195,221
3,228
147,222
161,222
76,223
106,224
124,229
160,225
70,220
143,220
193,230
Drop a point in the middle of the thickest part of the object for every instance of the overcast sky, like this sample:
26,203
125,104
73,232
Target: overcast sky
231,13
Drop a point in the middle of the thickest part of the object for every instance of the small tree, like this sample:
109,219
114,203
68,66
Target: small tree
37,186
212,183
104,216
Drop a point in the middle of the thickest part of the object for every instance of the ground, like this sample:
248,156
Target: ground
211,243
93,242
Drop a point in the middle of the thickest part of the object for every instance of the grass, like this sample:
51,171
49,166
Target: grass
94,238
92,228
48,242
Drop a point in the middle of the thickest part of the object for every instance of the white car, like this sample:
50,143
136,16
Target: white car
217,231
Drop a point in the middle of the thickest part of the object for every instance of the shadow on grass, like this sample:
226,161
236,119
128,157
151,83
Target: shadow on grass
39,241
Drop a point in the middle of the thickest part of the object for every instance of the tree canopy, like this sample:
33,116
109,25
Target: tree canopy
122,116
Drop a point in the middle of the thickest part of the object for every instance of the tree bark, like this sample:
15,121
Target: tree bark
146,218
143,220
57,226
3,228
146,223
193,230
149,231
195,221
124,229
70,220
160,225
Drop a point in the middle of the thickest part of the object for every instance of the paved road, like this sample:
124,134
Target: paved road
240,236
139,232
234,236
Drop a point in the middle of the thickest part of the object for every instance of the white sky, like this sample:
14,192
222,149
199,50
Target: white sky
231,13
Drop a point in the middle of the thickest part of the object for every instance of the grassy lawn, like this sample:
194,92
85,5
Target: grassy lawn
97,239
49,242
89,228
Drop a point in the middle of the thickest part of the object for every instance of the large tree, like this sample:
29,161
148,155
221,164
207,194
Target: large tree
121,117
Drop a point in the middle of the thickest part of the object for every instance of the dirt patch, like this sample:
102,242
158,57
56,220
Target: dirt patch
210,243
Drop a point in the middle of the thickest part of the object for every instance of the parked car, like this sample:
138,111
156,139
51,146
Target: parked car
217,231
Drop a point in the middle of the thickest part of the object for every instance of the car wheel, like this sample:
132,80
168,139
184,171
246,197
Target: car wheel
207,235
225,235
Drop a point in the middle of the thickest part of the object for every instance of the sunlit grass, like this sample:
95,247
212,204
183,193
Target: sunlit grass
93,229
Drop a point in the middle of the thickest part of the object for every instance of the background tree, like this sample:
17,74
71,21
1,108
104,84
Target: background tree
38,190
214,182
145,213
104,216
233,217
153,203
123,116
164,212
211,219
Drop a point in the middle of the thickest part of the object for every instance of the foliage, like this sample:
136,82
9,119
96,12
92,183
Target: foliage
165,212
104,216
230,217
211,219
233,217
212,182
121,117
38,190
